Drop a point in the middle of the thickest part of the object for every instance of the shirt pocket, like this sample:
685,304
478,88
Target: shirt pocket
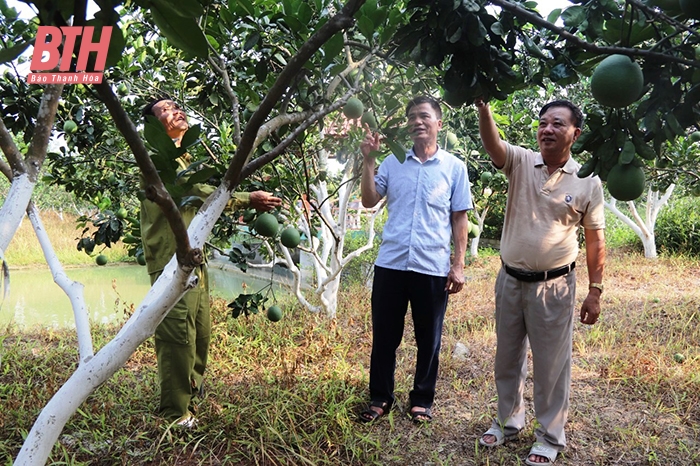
437,193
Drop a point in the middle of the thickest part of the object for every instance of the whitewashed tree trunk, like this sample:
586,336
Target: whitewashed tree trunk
165,292
644,227
474,243
326,251
73,289
13,208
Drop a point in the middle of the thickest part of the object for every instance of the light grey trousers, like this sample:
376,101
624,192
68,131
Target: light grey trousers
541,312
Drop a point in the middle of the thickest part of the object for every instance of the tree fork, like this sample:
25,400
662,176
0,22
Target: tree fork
155,190
340,21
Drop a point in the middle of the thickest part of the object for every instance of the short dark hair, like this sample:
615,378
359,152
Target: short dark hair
148,109
424,99
575,111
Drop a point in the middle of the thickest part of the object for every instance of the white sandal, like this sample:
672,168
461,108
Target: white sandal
501,438
540,449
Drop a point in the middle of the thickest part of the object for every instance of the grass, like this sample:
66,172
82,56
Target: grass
287,393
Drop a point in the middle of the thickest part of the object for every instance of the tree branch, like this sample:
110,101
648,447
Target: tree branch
221,69
659,14
11,151
282,146
42,132
340,21
569,37
155,190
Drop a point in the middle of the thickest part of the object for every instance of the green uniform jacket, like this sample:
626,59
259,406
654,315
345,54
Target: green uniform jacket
156,235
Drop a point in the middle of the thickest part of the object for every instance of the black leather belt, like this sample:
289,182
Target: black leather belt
527,276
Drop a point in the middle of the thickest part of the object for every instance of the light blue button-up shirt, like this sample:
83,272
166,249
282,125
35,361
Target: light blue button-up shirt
420,199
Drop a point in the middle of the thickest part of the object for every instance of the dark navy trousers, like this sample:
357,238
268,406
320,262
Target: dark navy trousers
392,291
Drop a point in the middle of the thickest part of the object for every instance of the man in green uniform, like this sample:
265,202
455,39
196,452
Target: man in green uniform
182,339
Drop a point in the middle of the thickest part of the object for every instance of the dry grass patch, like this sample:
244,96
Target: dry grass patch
287,393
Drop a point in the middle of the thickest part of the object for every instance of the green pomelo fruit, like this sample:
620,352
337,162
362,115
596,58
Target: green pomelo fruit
123,89
290,237
473,230
369,120
141,259
274,313
626,182
691,8
695,136
101,260
353,108
121,213
486,177
451,140
266,225
617,81
70,127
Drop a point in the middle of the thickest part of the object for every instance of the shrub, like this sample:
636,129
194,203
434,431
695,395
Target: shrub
678,227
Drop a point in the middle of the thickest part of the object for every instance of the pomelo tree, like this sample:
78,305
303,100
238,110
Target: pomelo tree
278,61
314,39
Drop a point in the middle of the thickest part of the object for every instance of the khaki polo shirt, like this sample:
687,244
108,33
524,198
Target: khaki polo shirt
544,212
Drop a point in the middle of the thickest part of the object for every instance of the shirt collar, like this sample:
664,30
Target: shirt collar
569,167
439,155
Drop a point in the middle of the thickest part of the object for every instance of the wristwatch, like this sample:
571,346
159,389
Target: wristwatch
596,285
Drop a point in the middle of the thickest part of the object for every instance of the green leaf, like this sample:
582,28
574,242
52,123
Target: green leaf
643,149
184,8
242,8
261,71
673,124
304,13
498,29
191,136
13,52
332,48
251,41
573,16
379,17
554,15
396,149
289,7
366,27
202,176
155,134
183,33
627,154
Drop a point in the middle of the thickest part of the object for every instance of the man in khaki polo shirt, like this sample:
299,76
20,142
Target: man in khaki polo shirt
536,287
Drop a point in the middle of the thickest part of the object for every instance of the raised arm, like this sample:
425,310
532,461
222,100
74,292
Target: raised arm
490,137
368,188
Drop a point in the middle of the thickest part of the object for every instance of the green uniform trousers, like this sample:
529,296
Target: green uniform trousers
182,348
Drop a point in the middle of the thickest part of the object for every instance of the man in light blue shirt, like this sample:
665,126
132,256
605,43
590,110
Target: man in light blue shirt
427,198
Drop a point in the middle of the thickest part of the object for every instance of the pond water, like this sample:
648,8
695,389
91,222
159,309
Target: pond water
35,300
